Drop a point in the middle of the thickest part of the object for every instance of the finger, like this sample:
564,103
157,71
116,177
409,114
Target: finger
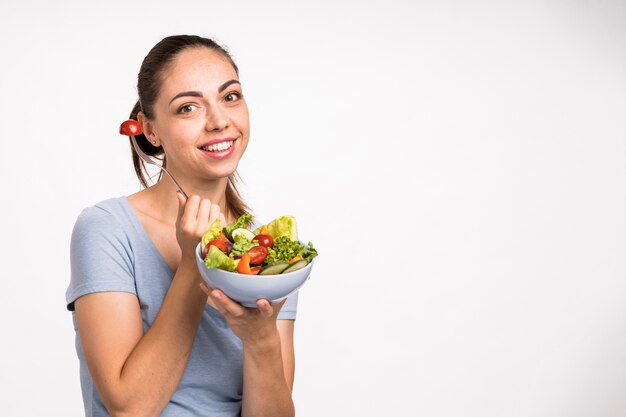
203,215
205,289
191,210
265,308
215,213
227,305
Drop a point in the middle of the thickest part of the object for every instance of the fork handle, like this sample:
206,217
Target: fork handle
175,182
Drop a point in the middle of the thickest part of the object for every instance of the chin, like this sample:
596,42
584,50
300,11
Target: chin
221,173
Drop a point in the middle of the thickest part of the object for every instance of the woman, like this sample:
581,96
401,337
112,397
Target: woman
149,340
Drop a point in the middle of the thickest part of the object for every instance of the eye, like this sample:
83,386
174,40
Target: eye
236,95
187,108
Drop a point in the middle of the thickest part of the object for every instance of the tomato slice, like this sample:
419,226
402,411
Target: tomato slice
255,270
243,267
131,128
220,244
257,255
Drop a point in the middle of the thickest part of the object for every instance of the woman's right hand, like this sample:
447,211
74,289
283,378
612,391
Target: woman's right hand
254,326
195,216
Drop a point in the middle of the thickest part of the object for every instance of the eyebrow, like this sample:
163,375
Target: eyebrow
226,84
199,94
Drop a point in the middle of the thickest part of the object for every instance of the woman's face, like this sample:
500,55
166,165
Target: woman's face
200,116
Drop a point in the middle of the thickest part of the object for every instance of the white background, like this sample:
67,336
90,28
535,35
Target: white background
459,165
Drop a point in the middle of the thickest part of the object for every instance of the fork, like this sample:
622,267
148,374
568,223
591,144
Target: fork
157,163
132,128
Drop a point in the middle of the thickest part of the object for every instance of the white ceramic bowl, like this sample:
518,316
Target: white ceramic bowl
247,289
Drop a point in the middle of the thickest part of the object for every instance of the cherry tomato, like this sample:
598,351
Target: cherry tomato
255,270
131,128
264,240
257,255
243,267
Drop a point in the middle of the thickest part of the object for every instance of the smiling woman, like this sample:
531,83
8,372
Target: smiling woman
149,340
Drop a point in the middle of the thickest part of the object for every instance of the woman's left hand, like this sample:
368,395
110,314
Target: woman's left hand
251,325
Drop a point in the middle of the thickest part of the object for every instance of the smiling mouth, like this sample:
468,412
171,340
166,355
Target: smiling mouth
218,147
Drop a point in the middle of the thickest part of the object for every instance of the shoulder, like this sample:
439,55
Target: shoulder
106,223
106,215
101,251
105,210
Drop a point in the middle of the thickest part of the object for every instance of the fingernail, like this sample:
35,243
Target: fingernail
216,295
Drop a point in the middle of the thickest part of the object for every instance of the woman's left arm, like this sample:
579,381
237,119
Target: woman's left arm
285,330
267,371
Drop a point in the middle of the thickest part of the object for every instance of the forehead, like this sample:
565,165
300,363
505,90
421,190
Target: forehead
199,69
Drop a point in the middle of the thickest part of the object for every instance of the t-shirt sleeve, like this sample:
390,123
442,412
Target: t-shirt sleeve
100,256
290,308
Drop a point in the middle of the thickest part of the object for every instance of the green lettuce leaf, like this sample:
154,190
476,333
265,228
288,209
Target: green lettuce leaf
285,249
212,233
243,221
242,245
218,259
283,226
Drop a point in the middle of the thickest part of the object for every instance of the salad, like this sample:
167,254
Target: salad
268,250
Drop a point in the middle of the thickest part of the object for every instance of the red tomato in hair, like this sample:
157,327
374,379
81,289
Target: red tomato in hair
131,128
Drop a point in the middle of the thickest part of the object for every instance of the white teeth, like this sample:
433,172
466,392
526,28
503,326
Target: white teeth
222,146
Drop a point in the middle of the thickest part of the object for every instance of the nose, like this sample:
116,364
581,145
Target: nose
216,119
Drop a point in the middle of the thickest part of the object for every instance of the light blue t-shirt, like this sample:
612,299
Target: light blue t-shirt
111,251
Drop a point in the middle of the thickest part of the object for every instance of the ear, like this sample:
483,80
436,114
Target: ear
148,129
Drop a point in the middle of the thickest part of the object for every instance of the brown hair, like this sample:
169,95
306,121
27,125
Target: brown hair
148,86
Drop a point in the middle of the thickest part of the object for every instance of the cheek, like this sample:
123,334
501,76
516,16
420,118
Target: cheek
244,145
181,133
243,121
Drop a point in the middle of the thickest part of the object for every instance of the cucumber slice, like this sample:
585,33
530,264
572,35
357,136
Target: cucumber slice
275,268
244,232
295,266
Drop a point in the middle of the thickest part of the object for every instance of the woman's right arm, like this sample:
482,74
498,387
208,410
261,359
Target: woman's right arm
136,374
